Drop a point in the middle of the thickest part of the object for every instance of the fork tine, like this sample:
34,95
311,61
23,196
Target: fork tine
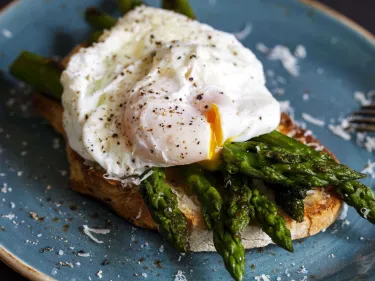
362,119
370,106
367,112
363,127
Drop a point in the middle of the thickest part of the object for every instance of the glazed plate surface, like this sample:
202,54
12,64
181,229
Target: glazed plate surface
34,170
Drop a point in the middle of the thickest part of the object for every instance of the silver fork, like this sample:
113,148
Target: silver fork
363,120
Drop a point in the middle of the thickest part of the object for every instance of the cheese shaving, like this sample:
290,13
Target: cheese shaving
369,169
300,52
180,276
87,230
262,277
289,62
365,212
262,48
339,131
361,97
287,108
344,212
149,173
313,120
241,35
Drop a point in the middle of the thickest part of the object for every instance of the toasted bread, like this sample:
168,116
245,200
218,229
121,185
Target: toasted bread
321,207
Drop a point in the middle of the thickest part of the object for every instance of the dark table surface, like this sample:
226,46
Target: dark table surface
361,11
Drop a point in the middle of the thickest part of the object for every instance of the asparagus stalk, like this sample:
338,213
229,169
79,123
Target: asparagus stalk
41,73
271,222
179,6
99,19
289,169
163,205
94,37
228,245
278,139
294,207
239,211
127,5
360,197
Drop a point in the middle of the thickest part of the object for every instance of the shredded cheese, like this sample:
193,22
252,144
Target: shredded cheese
241,35
180,276
361,97
369,169
87,230
339,131
289,62
313,120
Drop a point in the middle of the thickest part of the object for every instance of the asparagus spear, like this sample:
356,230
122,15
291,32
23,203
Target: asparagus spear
286,169
95,36
229,246
179,6
278,139
271,222
163,205
239,211
293,206
41,73
358,196
127,5
99,19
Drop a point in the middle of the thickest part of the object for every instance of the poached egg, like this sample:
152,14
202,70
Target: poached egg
160,89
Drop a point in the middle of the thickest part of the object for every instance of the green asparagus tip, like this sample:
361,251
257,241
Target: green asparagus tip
99,19
95,36
179,6
163,206
41,73
127,5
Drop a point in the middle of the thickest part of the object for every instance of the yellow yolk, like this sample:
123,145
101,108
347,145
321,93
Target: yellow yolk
213,118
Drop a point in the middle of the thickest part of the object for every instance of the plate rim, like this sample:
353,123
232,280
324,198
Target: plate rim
21,267
34,274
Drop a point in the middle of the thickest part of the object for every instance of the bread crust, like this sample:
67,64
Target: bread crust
321,207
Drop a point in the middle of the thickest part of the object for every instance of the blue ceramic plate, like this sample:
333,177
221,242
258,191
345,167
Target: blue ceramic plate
33,168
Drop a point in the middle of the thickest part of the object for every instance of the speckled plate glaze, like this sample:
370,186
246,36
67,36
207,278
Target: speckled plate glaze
33,168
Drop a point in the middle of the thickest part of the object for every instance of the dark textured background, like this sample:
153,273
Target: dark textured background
361,11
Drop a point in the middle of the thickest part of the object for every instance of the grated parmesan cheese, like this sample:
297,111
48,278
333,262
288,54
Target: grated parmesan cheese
262,48
339,131
369,169
313,120
300,52
241,35
262,277
344,212
87,230
9,216
84,255
287,108
289,62
146,176
180,276
7,33
365,212
361,97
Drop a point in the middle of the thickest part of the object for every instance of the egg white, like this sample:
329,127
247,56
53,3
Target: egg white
163,90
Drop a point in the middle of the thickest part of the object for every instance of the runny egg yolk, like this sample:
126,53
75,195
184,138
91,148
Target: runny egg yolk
216,142
213,117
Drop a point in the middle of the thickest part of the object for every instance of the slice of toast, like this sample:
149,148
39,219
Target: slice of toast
321,207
